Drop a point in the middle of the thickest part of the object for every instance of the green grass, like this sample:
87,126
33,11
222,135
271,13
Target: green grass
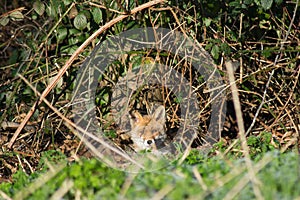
220,176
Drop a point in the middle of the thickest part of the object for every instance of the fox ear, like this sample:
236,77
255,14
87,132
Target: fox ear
135,117
160,114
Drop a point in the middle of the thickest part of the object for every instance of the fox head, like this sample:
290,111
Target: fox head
148,132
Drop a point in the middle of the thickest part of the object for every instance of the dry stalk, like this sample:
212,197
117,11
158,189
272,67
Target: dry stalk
240,122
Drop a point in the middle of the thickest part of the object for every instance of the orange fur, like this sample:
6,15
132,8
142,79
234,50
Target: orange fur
148,131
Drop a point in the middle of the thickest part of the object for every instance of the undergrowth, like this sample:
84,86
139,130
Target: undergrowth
200,176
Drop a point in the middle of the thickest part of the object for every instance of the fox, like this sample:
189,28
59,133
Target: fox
148,132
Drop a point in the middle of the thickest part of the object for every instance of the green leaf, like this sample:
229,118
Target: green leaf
215,51
80,21
267,52
4,21
62,33
97,15
266,4
39,7
225,48
257,2
234,4
51,11
67,2
207,22
17,15
73,31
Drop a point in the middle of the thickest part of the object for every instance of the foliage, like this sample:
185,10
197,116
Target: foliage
38,37
93,180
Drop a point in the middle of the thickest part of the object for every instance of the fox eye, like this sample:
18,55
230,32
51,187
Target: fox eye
149,142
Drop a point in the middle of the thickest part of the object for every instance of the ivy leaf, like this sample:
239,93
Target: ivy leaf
39,7
80,21
266,4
